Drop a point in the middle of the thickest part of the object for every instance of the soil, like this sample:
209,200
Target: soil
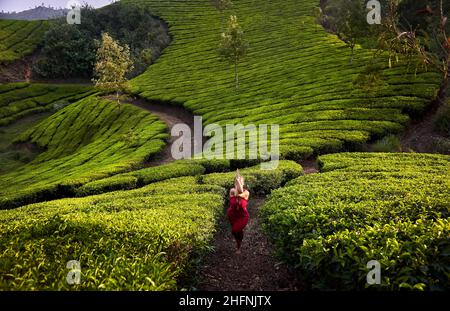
170,114
310,166
17,71
254,269
420,135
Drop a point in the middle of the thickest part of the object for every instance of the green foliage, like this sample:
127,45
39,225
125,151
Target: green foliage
141,177
113,63
22,99
295,74
69,50
143,239
256,180
390,143
19,38
82,142
128,240
393,208
221,5
347,19
233,46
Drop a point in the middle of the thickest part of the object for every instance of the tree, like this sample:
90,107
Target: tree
347,19
233,46
426,40
221,6
112,66
67,52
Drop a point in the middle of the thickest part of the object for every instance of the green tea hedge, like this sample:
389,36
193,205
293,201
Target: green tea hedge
393,208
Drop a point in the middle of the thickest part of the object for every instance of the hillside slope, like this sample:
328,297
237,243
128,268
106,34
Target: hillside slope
87,140
19,38
296,75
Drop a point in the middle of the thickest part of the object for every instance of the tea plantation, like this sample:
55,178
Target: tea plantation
393,208
19,38
87,140
89,194
143,239
295,74
18,100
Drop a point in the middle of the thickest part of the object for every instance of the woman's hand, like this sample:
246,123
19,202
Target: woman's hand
239,185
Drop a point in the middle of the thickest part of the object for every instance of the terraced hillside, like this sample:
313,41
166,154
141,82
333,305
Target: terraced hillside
296,75
393,208
19,38
143,239
18,100
84,141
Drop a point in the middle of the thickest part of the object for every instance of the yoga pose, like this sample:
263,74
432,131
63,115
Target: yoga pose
237,212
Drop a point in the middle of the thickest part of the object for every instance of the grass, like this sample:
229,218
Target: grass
19,38
82,142
143,239
296,75
389,207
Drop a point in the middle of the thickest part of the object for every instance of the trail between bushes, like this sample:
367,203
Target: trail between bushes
256,267
171,115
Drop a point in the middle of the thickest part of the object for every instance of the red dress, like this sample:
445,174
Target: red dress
238,216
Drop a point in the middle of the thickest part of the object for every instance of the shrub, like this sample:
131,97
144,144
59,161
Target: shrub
143,239
258,181
393,208
129,240
390,143
118,182
140,178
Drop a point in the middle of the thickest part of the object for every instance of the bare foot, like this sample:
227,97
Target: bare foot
238,251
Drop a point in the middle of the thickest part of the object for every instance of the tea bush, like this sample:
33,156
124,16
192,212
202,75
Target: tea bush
19,38
141,177
393,208
128,240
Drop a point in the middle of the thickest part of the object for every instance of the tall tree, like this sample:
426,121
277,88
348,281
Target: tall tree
221,6
112,66
233,46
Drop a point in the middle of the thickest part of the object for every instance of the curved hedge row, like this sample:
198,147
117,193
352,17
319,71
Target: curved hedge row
18,100
295,74
393,208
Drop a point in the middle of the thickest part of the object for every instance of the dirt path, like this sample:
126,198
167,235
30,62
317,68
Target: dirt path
310,166
254,269
171,115
420,136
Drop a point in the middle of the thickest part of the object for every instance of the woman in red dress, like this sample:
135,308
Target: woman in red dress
237,212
